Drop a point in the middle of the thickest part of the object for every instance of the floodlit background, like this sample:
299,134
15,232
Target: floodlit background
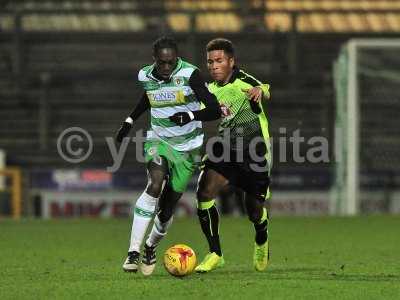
70,64
68,74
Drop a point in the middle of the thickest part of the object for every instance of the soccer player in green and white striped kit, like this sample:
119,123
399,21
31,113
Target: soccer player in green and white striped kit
173,91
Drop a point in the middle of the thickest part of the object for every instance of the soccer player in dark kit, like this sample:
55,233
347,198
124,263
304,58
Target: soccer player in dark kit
242,99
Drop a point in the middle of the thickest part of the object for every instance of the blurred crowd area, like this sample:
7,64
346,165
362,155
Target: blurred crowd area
209,15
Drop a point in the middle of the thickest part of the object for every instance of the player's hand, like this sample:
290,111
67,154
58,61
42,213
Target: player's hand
180,118
255,93
123,131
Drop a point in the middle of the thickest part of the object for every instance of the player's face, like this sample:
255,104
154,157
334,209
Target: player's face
165,61
220,65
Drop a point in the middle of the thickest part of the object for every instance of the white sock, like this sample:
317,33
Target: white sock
158,231
143,213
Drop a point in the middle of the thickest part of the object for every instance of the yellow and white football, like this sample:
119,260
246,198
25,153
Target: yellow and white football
180,260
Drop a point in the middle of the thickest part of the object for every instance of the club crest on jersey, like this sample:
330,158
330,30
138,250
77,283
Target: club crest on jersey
178,81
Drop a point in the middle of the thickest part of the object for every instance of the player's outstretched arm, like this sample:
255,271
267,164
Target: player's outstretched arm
211,112
126,126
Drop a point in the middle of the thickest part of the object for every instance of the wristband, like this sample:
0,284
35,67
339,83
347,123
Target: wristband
191,115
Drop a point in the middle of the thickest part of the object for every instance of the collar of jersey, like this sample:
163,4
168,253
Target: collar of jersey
150,75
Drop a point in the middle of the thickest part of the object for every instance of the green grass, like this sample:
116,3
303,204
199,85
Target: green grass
319,258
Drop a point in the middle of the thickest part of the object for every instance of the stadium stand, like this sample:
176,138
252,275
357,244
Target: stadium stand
214,16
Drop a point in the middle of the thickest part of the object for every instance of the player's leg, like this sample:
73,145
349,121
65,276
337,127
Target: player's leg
209,185
166,209
182,166
162,221
255,183
258,215
145,206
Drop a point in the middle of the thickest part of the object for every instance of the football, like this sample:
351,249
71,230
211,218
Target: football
179,260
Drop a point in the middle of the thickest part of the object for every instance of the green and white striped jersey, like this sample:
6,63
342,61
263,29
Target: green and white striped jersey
168,98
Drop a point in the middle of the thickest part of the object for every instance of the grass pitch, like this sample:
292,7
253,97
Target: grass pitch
311,258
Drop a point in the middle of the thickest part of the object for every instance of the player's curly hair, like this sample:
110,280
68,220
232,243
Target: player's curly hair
164,42
221,44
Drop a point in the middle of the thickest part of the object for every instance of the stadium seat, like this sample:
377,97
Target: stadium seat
335,16
225,22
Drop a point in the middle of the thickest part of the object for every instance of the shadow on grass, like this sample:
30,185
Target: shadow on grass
272,274
304,273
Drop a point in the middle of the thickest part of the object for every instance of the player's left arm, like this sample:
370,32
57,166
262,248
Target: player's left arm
257,93
211,112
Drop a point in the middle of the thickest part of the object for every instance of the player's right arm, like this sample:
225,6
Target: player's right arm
211,112
126,126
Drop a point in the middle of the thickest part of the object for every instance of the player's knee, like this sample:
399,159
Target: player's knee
154,189
205,194
255,216
165,215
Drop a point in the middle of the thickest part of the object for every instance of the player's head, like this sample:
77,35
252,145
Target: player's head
165,55
220,59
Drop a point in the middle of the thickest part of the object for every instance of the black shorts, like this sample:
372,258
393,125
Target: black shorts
249,175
